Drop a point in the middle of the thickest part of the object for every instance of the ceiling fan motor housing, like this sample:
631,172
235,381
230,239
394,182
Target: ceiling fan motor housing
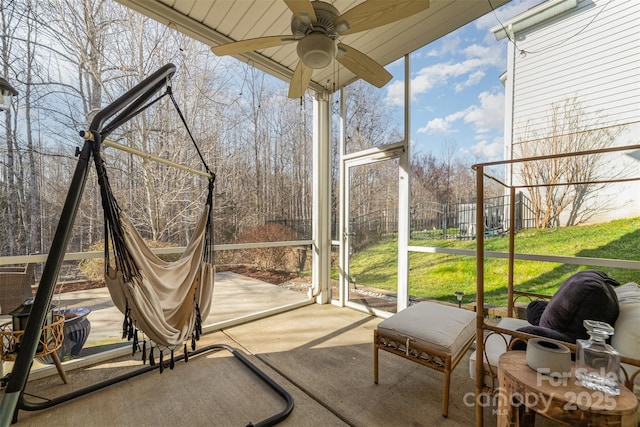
316,45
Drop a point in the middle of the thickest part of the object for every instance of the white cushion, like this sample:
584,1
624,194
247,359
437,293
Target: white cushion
432,325
496,345
626,336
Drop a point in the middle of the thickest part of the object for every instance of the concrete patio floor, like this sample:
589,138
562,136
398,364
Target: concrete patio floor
321,354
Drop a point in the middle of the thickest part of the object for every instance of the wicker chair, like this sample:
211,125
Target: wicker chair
15,286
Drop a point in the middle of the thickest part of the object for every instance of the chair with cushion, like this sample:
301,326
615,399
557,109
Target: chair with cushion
626,336
15,286
431,334
588,294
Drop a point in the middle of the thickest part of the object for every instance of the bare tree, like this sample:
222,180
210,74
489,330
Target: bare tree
564,185
11,189
447,180
81,55
368,125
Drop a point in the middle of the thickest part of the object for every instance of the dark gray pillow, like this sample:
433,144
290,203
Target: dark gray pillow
534,311
587,294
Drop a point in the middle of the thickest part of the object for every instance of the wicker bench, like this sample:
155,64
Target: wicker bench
431,334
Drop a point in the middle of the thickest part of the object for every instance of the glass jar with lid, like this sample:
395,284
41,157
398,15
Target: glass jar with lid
598,363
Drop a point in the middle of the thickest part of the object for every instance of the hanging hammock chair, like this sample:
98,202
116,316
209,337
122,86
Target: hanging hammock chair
167,301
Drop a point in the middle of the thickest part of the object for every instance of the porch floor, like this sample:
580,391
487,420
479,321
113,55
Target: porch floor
321,354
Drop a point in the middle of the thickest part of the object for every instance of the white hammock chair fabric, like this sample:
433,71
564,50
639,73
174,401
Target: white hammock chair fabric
164,299
167,301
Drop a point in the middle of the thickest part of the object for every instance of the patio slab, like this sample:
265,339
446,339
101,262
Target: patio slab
328,352
213,389
321,354
234,296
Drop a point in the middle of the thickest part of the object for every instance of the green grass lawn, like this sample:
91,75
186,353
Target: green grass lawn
438,276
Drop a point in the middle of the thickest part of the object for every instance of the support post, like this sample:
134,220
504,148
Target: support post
321,215
512,234
479,292
404,199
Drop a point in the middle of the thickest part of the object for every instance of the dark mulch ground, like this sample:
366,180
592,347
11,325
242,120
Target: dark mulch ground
78,285
274,277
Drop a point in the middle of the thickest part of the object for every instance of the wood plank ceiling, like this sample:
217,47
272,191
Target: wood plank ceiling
216,22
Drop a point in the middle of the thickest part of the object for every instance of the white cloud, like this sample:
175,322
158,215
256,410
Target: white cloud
476,51
466,65
478,58
473,68
491,151
491,55
395,93
441,125
472,80
487,116
429,77
450,44
438,125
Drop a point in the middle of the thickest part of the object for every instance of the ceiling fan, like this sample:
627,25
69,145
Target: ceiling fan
317,25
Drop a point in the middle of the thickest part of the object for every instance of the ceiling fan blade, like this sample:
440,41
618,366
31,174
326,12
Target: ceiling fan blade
300,80
302,9
250,45
375,13
362,65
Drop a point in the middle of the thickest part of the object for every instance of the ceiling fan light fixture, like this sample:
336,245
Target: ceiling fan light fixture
316,50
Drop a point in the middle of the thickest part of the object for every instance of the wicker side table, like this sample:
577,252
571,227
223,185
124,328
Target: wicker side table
523,393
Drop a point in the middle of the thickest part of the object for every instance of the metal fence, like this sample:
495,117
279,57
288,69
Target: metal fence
431,220
458,221
370,228
441,221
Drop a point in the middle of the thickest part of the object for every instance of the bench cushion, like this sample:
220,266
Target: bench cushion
495,346
626,336
432,325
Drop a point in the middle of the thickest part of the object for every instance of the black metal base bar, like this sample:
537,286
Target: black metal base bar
273,420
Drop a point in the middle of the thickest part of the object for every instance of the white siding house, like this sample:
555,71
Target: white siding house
583,57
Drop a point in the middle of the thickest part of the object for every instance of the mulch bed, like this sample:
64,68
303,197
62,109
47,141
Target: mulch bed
275,277
78,285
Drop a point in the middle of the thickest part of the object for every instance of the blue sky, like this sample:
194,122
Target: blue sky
458,99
